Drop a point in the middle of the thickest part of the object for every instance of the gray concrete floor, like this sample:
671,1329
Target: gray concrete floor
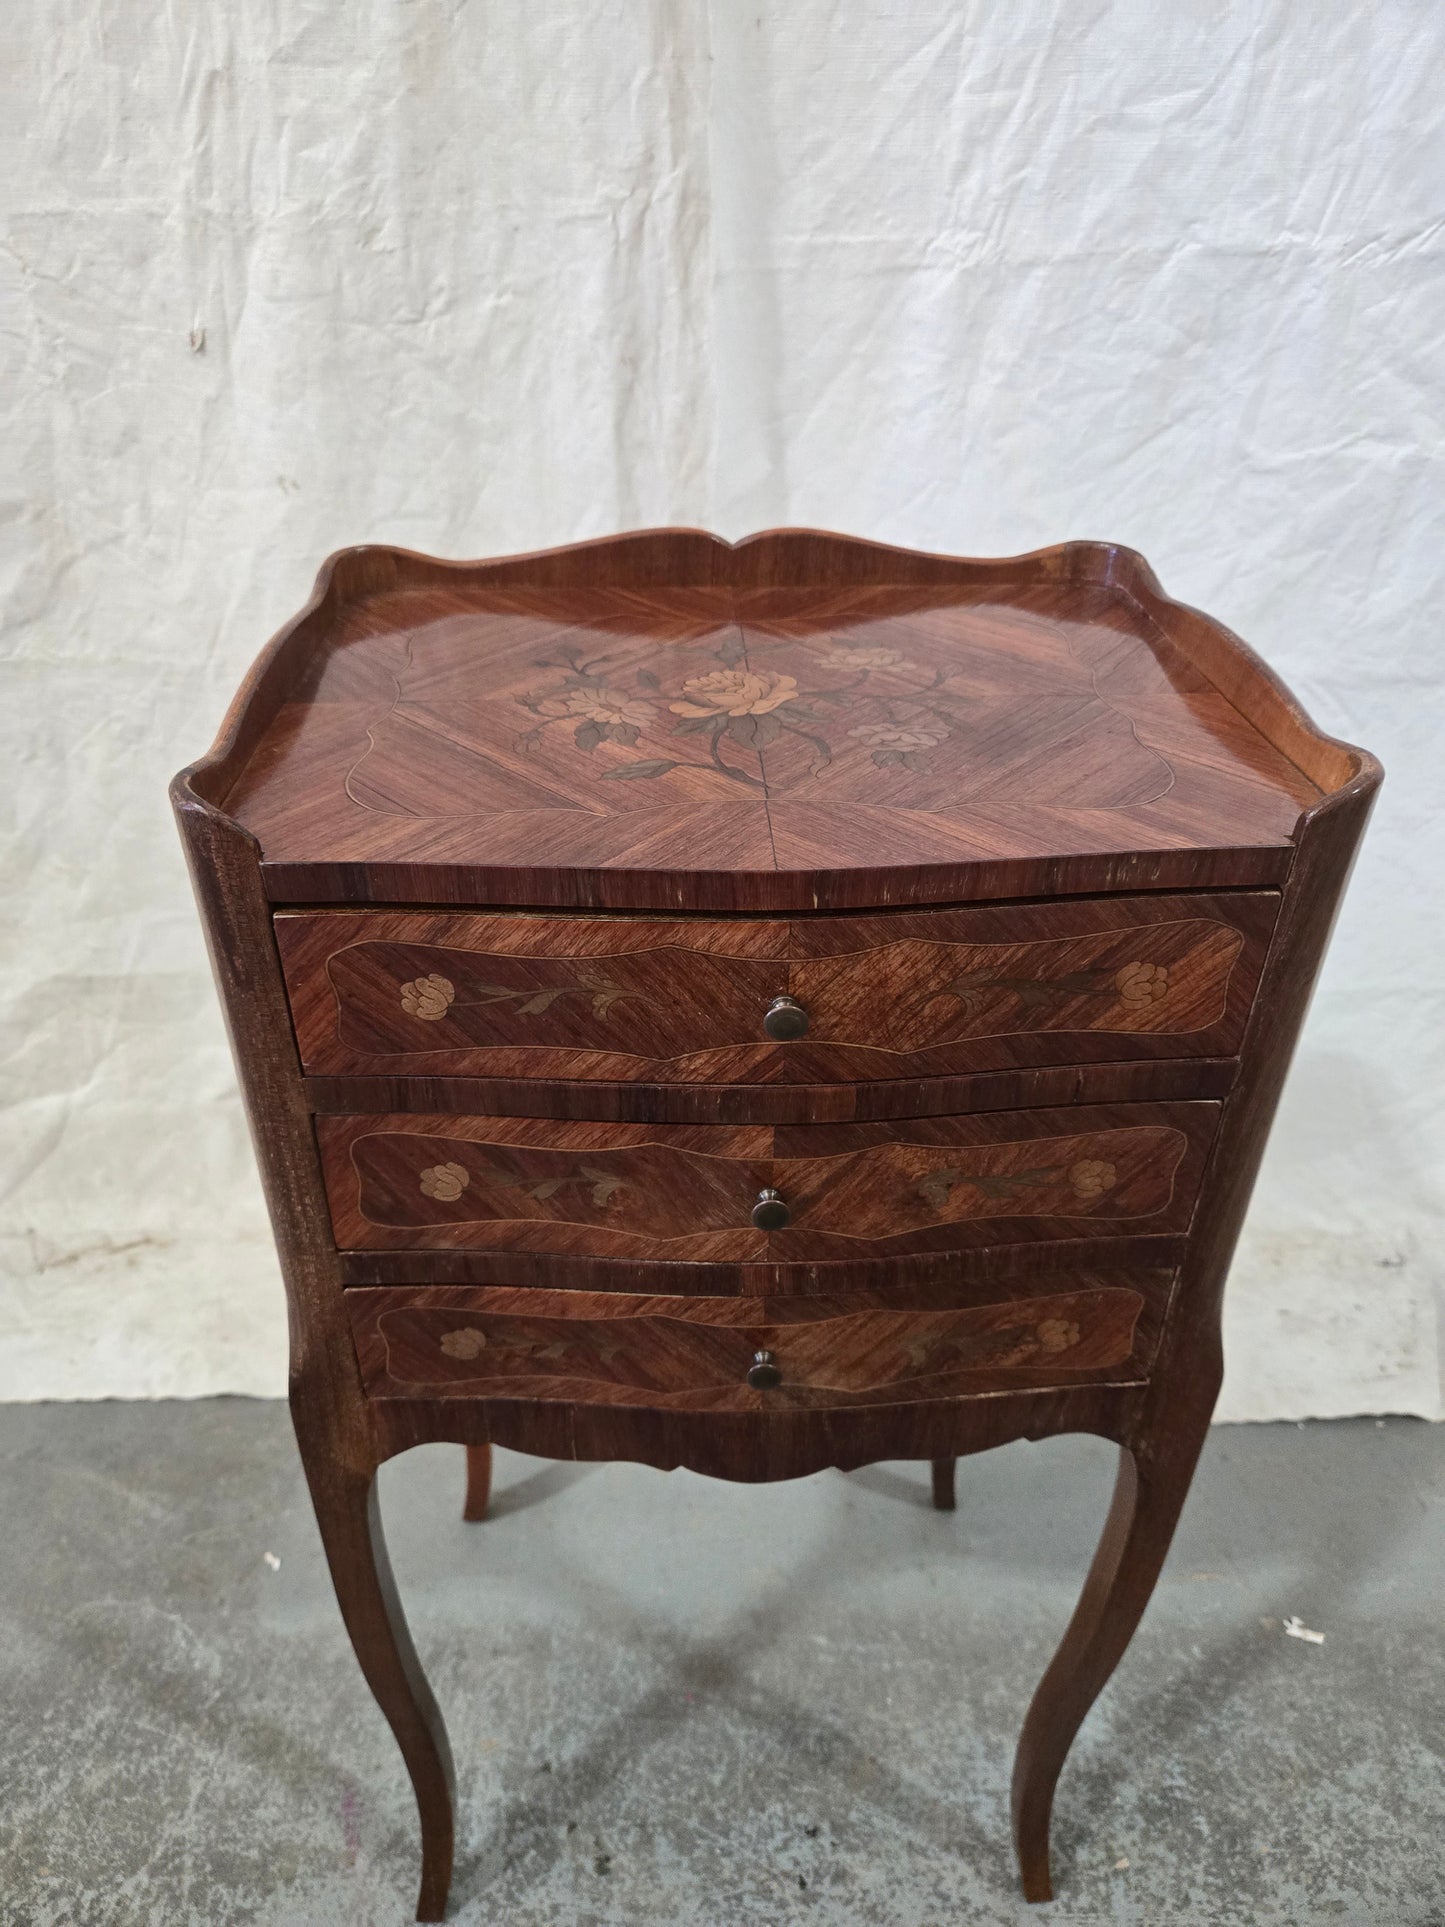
673,1701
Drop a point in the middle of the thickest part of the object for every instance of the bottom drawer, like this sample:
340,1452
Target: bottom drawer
754,1354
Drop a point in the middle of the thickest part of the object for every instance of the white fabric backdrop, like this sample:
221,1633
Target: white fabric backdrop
284,275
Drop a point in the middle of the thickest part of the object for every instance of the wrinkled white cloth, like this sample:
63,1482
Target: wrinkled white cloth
281,275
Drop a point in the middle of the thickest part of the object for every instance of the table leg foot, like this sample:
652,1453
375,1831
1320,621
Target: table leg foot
479,1482
1148,1498
945,1496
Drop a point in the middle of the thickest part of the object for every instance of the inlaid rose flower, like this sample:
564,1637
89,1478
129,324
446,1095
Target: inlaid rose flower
1092,1177
899,735
428,997
736,692
1058,1334
466,1343
604,706
1141,984
840,655
445,1182
893,744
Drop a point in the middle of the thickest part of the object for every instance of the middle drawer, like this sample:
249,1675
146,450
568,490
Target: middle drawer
705,1193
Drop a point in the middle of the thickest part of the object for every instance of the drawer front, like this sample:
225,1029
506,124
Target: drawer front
696,1354
911,994
705,1193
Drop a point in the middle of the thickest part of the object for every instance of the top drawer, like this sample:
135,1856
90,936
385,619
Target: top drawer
897,995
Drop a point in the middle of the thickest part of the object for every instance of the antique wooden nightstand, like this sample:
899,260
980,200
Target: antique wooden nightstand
760,1008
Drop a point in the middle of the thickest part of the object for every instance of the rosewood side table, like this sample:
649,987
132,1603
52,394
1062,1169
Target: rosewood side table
760,1008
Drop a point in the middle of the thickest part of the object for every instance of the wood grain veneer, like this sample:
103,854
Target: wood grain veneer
686,1001
668,722
691,1354
1048,859
687,1192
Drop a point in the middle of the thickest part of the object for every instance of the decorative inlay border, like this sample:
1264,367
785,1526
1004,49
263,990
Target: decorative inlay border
1132,989
1071,1184
664,1357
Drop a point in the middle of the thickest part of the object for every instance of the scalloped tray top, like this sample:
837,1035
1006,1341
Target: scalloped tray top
667,721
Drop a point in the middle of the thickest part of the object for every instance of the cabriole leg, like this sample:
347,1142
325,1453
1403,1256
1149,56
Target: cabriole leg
350,1522
1148,1498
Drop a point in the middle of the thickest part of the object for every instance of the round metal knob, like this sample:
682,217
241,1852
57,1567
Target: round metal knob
785,1019
771,1212
765,1373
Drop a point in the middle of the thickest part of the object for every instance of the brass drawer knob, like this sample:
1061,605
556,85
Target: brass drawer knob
765,1373
785,1019
771,1212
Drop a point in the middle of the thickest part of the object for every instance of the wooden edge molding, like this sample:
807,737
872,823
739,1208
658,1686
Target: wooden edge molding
964,1270
1154,1080
735,1446
1244,679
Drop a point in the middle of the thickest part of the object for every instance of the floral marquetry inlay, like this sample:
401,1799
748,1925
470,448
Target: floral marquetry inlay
735,692
751,707
1143,983
899,742
438,1184
428,997
447,1182
444,1182
432,997
667,707
512,1345
642,996
612,714
466,1343
662,1353
1085,1178
1092,1177
1002,1351
601,1187
1058,1334
1136,985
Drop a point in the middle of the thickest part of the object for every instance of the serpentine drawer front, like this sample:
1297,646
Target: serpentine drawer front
708,1193
760,1008
820,998
732,1355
